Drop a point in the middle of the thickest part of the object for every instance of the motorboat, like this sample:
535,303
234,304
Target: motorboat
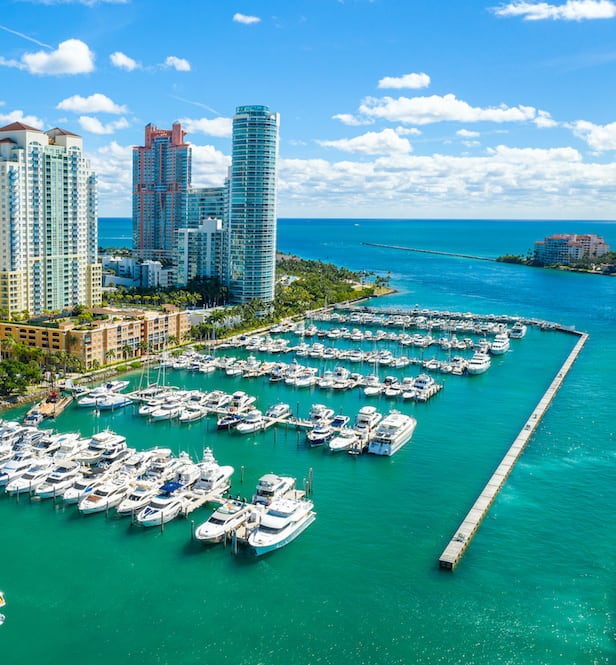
99,444
16,466
33,418
366,420
34,476
229,421
59,480
51,442
225,519
165,506
138,497
191,413
253,421
373,386
346,439
70,449
276,411
270,487
113,401
114,452
320,414
518,330
500,344
393,432
479,363
319,435
107,495
84,484
213,478
217,400
281,523
240,401
423,383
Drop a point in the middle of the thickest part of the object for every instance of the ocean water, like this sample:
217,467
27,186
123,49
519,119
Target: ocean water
362,584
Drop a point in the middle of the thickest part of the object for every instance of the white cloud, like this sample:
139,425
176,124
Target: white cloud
372,143
216,127
245,20
122,61
351,120
467,133
113,166
407,81
96,103
544,120
209,166
598,137
408,131
572,10
18,116
95,126
436,108
180,64
71,57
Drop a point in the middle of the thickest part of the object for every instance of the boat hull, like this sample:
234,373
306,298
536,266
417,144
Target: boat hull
260,550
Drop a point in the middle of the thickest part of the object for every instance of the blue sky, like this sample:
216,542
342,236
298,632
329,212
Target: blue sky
389,108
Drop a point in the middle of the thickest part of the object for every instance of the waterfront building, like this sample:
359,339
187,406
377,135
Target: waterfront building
251,224
161,179
120,334
48,218
198,251
567,248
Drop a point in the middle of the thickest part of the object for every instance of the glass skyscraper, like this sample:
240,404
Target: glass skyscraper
251,214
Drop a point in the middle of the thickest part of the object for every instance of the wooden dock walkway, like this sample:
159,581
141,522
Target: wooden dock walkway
50,408
457,546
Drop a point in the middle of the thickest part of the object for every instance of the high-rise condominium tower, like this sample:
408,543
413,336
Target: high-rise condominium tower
48,222
251,224
161,178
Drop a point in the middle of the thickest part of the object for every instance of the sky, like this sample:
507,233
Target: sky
388,108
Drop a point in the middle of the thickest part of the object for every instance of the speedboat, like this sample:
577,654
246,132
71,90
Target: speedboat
34,417
240,401
339,421
59,480
82,485
270,487
319,435
70,449
252,422
216,400
346,439
282,522
279,410
479,363
16,466
225,519
168,410
139,497
191,413
393,432
373,386
34,476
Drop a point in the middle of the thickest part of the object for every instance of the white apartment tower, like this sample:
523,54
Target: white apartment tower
48,222
251,223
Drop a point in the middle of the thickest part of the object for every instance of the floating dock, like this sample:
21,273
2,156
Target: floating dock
53,406
457,546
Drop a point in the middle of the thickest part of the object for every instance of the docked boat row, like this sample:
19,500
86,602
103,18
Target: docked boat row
152,486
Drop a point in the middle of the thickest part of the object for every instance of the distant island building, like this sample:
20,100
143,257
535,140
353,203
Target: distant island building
48,216
568,248
226,232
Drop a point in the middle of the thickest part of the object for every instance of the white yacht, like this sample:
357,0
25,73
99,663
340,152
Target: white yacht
423,382
168,410
346,439
59,480
319,435
113,401
320,414
282,522
99,443
228,517
253,421
108,494
213,478
518,330
366,420
142,492
216,400
34,476
479,363
279,410
16,466
84,484
500,344
373,386
270,487
393,432
165,506
240,400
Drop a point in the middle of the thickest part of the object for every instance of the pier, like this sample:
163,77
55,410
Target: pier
457,546
429,251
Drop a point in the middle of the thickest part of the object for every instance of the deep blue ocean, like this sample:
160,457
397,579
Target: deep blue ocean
362,585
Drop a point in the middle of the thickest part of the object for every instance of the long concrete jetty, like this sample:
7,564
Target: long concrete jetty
457,546
429,251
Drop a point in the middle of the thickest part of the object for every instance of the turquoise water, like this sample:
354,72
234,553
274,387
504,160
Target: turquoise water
362,584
